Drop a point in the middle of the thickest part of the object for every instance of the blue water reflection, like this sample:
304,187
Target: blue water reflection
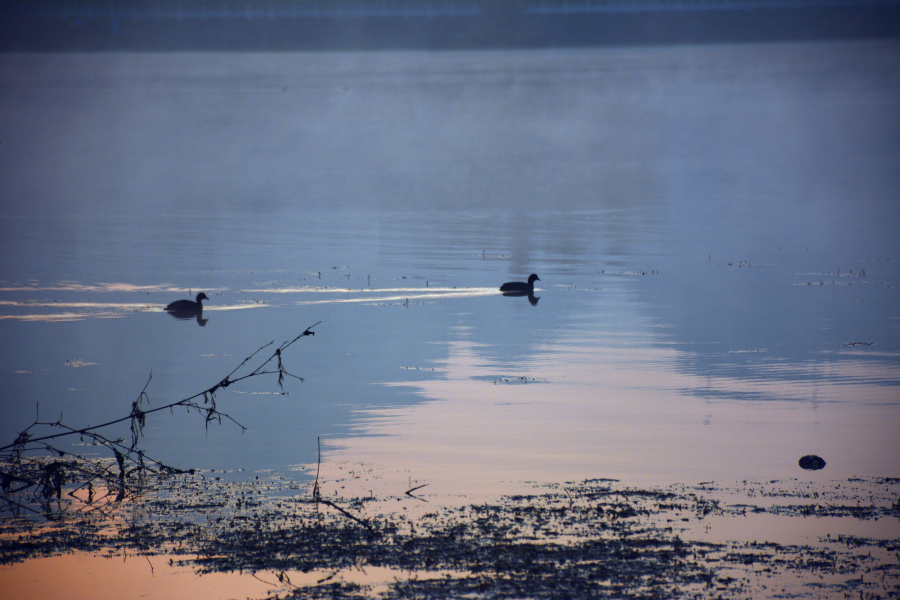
714,229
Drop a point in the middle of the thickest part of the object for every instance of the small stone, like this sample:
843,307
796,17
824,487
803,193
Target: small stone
811,462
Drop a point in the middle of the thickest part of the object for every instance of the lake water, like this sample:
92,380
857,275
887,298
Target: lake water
715,230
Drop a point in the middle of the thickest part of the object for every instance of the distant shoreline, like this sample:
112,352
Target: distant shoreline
303,25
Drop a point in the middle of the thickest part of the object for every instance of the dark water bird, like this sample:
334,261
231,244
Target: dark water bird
811,462
188,306
520,287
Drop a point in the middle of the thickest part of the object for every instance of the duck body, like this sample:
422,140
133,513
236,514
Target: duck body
519,286
188,306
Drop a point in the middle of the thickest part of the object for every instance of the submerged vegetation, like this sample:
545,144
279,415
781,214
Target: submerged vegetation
580,540
588,539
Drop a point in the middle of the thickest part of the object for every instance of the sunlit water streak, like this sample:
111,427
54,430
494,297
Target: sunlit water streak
117,309
98,310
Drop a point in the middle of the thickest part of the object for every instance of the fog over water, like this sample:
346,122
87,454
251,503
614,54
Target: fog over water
715,229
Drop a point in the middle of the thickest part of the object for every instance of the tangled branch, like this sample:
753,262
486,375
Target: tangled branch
33,472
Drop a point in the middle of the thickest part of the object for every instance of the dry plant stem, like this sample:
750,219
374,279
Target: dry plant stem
318,466
47,476
317,496
186,402
418,487
345,513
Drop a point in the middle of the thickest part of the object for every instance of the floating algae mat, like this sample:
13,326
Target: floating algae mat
594,538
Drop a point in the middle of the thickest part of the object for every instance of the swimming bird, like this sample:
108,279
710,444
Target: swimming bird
188,306
518,286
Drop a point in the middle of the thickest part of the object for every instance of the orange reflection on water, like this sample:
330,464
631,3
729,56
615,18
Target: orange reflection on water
83,576
626,413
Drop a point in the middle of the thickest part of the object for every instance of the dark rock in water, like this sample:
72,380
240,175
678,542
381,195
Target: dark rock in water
811,462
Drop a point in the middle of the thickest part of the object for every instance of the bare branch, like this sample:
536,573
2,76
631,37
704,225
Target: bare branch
25,437
43,479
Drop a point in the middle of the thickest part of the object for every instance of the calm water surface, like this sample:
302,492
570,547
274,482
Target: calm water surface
714,229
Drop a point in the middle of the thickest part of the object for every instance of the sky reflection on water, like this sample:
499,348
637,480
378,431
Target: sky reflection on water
699,217
626,412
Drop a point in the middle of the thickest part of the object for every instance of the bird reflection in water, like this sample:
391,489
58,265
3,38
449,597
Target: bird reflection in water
188,309
520,288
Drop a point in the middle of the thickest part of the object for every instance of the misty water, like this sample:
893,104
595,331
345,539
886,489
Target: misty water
715,230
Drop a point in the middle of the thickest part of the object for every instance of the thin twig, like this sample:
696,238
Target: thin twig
318,466
345,513
411,490
184,402
51,474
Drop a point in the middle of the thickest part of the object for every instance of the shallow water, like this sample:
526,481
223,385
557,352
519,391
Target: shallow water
715,229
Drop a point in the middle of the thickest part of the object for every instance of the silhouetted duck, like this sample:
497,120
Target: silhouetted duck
188,306
518,286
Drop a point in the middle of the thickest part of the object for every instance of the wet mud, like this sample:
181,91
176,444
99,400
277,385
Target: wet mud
590,539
